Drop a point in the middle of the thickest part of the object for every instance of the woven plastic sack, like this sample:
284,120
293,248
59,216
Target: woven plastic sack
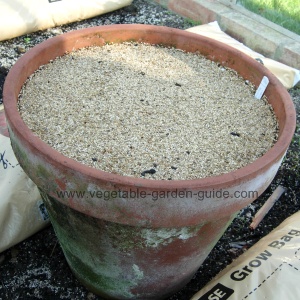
288,76
22,211
18,17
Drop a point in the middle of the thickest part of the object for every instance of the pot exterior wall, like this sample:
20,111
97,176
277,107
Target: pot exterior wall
120,261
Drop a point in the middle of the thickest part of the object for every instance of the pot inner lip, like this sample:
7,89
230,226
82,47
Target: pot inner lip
17,77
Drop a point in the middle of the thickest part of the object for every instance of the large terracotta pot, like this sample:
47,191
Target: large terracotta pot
139,248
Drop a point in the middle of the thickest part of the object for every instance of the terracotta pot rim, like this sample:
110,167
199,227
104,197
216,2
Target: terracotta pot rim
16,124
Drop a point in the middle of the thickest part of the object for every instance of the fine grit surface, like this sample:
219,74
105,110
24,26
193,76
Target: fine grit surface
148,111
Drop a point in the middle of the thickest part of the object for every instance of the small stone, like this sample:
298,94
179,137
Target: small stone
20,49
94,159
235,134
151,171
55,31
90,296
107,22
259,60
177,84
173,168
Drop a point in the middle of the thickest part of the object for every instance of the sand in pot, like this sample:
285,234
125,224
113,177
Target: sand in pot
148,111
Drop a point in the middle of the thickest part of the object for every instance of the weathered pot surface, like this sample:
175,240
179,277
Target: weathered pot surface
139,247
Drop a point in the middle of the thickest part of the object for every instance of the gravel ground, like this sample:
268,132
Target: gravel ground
36,268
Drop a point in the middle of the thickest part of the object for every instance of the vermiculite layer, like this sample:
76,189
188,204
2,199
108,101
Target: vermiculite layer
148,111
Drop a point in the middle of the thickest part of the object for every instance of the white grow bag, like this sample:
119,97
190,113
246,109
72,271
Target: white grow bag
269,270
18,17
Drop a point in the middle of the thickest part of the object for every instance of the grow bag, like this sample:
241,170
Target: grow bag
22,212
268,270
18,17
288,76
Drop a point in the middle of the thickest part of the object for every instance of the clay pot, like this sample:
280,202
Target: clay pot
138,247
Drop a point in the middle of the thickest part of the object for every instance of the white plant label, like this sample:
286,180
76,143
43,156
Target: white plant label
262,87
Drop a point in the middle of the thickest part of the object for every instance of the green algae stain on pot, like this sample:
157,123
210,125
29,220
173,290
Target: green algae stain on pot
101,253
92,251
163,236
42,172
126,237
21,155
138,273
35,171
105,273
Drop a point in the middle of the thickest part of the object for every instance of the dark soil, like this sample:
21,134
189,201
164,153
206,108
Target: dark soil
36,268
